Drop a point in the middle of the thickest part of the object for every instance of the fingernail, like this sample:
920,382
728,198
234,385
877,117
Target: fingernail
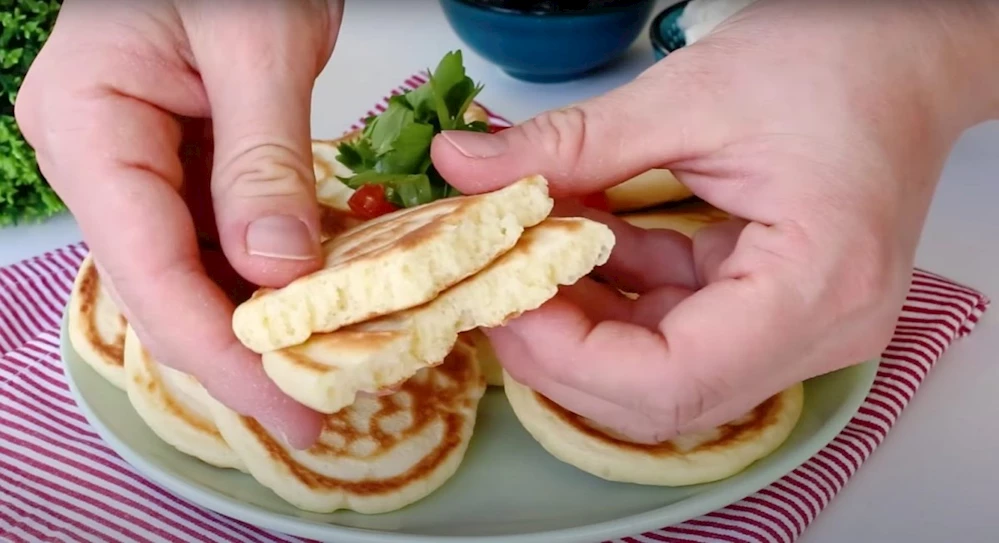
281,236
475,144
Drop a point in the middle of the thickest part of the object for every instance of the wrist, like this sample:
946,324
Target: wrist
938,57
959,65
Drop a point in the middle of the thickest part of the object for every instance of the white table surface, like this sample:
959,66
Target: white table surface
935,477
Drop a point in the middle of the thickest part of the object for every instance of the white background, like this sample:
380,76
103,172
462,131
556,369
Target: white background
934,478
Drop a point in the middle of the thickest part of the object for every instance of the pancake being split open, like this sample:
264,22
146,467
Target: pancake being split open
392,263
379,454
328,371
690,459
96,326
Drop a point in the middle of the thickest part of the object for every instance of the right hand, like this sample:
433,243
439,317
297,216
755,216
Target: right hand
161,121
791,117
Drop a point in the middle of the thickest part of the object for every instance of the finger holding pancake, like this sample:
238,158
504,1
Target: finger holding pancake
512,348
400,385
643,259
175,407
392,263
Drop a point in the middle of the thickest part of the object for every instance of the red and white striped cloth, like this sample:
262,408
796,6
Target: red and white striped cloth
58,480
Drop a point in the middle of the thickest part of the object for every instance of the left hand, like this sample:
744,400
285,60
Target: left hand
790,116
160,122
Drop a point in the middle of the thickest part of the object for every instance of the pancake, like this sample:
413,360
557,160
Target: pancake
691,459
650,189
329,370
96,326
175,407
686,218
391,263
490,365
380,454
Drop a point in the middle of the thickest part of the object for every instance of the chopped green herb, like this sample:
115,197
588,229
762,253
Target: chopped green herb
394,147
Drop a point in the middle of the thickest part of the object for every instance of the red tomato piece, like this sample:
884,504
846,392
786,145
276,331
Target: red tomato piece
369,202
494,128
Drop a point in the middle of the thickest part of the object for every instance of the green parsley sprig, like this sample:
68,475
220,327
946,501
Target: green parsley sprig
394,147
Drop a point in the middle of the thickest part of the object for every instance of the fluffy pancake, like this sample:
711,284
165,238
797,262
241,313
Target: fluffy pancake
686,218
652,188
391,263
380,454
327,371
175,407
96,327
690,459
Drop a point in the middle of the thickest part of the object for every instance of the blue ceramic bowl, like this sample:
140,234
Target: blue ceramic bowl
665,32
547,46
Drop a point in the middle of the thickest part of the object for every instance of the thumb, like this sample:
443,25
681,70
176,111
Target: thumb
580,149
263,185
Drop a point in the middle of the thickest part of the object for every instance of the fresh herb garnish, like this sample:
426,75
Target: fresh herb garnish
393,150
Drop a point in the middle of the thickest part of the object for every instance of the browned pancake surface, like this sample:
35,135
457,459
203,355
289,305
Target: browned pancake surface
430,402
112,349
746,428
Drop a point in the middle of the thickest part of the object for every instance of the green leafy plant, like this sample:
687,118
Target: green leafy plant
25,196
394,148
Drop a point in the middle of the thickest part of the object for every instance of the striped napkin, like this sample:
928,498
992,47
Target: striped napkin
58,479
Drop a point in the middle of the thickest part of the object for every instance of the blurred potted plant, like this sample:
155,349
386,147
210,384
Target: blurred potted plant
25,196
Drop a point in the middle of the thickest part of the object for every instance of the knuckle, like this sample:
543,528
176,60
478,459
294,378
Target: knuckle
28,106
561,134
262,171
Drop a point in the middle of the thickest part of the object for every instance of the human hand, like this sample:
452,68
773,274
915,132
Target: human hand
161,122
824,127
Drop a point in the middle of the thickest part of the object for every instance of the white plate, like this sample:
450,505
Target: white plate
508,490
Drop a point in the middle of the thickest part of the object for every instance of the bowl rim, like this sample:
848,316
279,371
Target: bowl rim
655,36
589,12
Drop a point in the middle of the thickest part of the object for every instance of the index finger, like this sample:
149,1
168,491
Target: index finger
126,201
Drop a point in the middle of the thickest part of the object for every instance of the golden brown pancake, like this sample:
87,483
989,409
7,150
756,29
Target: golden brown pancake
174,406
695,458
96,327
381,453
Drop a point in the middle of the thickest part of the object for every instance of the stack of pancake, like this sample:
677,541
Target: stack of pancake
385,341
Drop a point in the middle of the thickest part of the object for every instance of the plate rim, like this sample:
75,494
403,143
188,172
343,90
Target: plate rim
601,531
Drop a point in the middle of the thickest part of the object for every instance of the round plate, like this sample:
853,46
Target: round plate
508,490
